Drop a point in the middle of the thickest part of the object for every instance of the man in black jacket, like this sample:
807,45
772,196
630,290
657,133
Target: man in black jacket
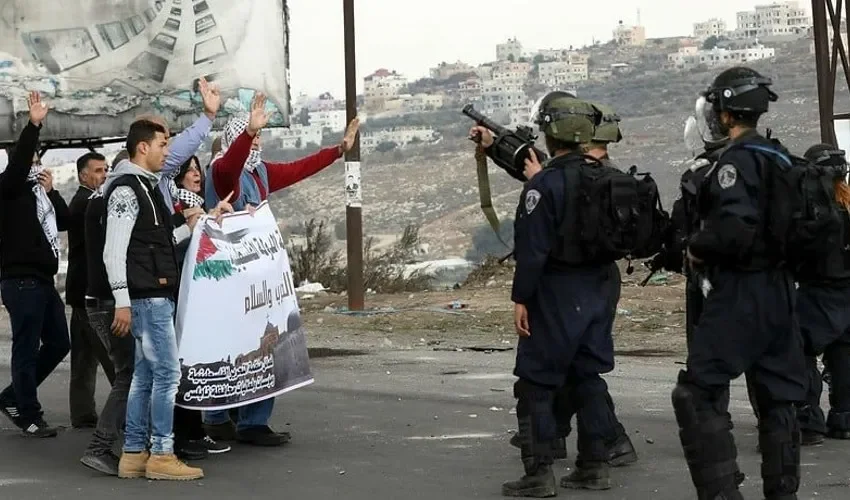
31,215
87,349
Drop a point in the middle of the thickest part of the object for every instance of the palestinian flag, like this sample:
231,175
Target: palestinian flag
206,267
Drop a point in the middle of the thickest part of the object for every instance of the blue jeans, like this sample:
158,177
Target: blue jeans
39,342
150,404
252,415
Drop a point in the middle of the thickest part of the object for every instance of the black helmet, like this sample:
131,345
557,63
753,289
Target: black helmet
740,89
825,155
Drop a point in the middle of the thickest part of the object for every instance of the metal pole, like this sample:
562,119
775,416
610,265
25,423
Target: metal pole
826,78
353,195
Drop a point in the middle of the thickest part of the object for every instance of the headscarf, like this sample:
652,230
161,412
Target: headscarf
234,127
44,210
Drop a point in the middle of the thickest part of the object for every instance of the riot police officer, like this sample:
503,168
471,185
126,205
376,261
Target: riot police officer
621,451
822,307
562,313
747,322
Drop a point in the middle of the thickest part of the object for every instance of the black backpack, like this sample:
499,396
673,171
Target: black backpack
803,218
615,214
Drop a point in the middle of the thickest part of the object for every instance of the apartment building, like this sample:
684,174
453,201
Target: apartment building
706,29
775,19
632,36
510,50
689,57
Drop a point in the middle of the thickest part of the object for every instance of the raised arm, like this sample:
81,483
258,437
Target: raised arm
186,143
14,178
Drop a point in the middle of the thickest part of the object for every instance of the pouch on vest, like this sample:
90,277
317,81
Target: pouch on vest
803,217
617,215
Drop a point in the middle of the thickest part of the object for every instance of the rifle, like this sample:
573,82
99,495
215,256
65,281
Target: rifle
509,151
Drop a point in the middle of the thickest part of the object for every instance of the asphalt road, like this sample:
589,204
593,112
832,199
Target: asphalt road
414,424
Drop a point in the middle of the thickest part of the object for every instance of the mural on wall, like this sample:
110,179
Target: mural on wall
101,63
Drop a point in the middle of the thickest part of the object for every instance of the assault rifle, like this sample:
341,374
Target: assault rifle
511,148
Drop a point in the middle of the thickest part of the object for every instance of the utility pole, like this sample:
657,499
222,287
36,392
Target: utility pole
353,195
826,20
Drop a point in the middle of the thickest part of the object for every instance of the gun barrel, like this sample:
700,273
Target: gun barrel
470,111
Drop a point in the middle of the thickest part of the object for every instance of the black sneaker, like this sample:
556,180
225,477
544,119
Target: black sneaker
11,413
190,450
263,436
104,462
214,447
221,432
40,429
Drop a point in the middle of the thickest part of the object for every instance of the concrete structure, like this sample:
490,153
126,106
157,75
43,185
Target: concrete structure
510,50
707,29
689,57
297,136
558,73
444,70
399,135
333,119
778,18
380,86
511,73
470,90
498,96
632,36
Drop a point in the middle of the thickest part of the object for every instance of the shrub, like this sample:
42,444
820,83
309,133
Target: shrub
316,261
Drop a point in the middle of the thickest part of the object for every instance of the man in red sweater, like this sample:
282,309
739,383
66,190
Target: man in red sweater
240,169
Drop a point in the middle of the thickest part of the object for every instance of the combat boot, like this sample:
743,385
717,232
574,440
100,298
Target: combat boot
590,476
622,452
133,465
539,484
169,468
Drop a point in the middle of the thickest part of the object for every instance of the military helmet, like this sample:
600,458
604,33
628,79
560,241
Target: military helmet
561,116
826,155
740,89
609,128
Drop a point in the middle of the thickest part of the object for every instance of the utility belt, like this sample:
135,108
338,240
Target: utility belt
96,303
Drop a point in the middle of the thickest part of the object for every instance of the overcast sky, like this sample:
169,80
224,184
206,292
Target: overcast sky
411,37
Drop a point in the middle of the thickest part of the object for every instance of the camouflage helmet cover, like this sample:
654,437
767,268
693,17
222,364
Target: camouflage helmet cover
609,128
567,118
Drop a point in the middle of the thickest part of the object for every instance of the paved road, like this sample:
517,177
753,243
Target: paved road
405,424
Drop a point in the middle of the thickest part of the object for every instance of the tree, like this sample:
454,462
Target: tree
511,58
710,43
298,143
386,146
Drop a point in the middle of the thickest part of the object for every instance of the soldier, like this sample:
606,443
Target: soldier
563,311
822,300
747,322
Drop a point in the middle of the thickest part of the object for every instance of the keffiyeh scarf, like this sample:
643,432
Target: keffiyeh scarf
187,198
44,210
235,126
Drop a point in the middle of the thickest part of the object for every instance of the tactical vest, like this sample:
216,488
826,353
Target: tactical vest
833,267
152,269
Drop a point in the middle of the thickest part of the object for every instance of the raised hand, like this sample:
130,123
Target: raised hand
38,109
211,96
350,134
259,117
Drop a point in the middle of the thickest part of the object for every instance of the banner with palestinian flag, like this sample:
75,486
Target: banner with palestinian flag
239,329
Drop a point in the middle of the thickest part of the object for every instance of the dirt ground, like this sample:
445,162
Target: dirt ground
479,315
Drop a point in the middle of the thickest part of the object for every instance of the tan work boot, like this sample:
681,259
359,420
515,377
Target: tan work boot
133,465
168,467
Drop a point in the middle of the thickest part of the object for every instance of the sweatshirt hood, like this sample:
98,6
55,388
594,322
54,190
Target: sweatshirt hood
127,167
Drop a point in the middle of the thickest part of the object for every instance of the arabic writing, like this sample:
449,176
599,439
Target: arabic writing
261,296
227,381
251,248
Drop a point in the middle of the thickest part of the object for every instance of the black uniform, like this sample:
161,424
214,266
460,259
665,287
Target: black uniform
570,311
747,324
685,223
824,315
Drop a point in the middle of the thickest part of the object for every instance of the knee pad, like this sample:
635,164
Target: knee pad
779,441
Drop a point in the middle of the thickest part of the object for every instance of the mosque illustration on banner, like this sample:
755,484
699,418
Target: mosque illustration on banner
288,350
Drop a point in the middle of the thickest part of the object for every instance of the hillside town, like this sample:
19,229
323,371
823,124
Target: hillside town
505,88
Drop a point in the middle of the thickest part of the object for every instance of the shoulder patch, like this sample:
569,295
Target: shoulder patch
532,198
727,176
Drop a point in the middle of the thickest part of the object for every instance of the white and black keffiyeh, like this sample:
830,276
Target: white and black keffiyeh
44,210
187,198
235,126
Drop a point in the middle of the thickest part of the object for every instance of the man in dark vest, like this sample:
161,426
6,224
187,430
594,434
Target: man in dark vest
141,266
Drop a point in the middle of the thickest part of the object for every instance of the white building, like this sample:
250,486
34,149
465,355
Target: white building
381,86
510,50
775,19
631,36
297,136
333,119
713,27
558,73
444,70
511,73
399,135
688,57
498,96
